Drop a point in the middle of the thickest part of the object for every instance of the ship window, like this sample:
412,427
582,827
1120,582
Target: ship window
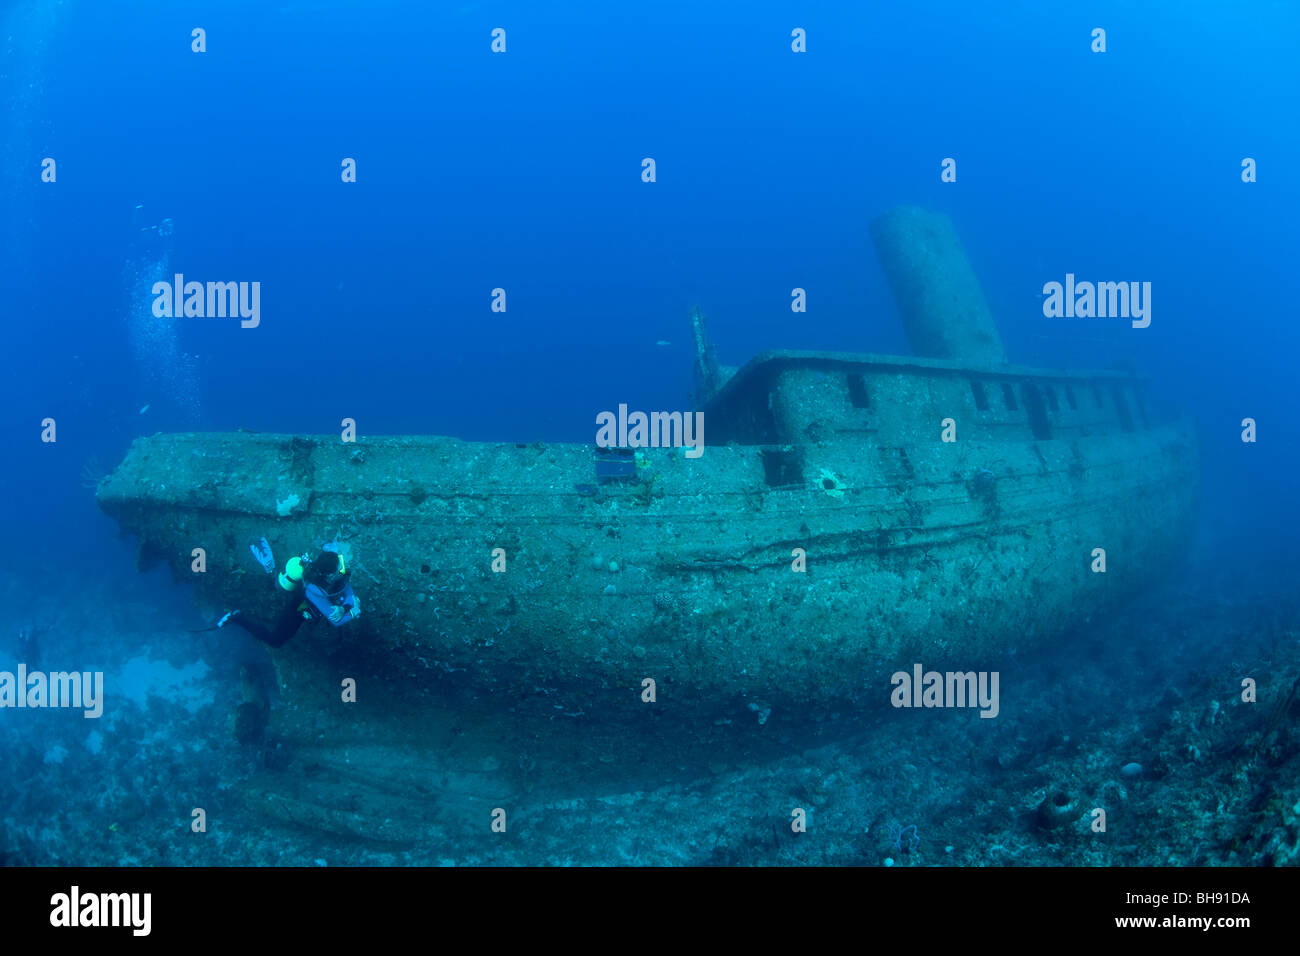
615,464
1009,394
858,391
782,466
1069,397
981,400
1121,406
1051,398
1038,423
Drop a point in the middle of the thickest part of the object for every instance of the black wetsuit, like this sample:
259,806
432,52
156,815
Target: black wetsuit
286,624
312,602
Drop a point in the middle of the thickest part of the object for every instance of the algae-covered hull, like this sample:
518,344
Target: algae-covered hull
850,516
780,574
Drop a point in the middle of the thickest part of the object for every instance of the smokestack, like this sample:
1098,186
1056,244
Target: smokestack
944,312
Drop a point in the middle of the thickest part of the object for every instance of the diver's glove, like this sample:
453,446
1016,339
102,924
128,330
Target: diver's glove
354,609
264,556
335,614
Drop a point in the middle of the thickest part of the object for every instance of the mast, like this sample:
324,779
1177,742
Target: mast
708,377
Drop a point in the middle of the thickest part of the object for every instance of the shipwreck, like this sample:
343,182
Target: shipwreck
851,515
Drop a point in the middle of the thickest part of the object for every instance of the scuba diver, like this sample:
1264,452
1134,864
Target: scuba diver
316,589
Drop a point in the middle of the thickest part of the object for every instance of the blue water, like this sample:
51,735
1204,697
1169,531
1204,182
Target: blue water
522,171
